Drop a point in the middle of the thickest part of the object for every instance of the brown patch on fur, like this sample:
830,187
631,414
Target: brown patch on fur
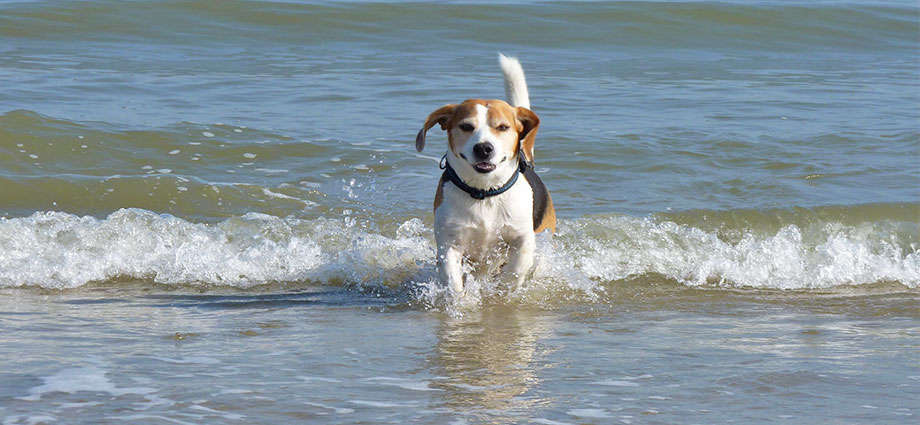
530,123
524,121
549,218
439,116
439,195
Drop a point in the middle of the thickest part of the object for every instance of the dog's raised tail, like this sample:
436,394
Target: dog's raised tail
515,84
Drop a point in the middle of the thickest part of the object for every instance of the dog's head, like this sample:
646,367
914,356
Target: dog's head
484,137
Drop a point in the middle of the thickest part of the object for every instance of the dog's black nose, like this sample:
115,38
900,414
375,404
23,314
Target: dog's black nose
483,150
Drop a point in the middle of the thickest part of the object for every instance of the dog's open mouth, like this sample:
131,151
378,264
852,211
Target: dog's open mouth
484,167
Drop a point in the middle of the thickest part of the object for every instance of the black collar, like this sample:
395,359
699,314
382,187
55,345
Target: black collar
476,193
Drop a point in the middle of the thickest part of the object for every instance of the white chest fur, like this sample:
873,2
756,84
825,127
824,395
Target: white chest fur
476,229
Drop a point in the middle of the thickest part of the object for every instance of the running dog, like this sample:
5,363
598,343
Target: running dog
489,201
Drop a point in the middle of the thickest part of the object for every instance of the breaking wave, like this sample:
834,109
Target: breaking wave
56,250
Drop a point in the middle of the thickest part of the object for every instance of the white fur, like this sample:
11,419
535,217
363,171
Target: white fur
502,157
515,84
475,229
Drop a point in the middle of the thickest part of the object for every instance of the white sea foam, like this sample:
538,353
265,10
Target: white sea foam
272,170
60,250
269,193
82,379
544,421
832,255
588,413
34,419
57,250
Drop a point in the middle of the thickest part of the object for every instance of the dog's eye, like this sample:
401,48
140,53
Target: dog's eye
466,127
502,127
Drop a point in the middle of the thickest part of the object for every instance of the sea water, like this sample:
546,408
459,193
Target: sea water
212,212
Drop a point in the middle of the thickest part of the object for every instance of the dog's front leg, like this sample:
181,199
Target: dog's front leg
520,259
450,267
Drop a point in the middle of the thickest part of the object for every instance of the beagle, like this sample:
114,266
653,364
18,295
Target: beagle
489,201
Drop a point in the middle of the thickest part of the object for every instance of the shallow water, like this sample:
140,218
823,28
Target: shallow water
215,214
659,354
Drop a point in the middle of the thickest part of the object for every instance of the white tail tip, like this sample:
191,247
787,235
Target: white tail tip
515,84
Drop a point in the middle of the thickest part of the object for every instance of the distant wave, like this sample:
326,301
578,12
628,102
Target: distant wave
57,250
771,25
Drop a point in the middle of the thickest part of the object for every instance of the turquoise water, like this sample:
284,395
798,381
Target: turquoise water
214,212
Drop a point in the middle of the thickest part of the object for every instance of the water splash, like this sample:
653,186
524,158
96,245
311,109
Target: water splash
56,250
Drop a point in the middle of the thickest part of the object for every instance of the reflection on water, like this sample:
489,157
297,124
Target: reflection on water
491,361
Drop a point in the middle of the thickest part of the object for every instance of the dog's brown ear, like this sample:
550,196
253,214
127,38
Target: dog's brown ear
528,134
439,116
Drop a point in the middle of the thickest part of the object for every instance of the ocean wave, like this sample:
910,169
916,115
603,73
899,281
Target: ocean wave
777,25
57,250
821,255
